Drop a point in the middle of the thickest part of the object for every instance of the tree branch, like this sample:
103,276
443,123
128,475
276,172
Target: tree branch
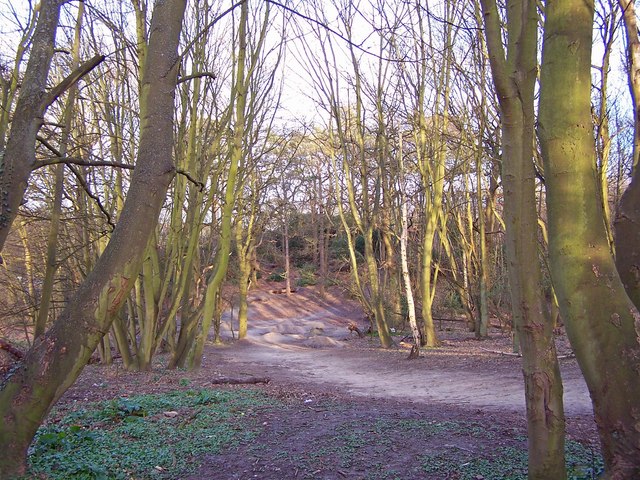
342,37
97,163
82,162
209,25
86,188
71,80
11,349
195,75
199,184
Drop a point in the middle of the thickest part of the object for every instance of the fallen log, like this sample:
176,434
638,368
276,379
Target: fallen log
239,381
498,352
11,350
461,320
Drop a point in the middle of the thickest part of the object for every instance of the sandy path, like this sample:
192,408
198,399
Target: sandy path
304,340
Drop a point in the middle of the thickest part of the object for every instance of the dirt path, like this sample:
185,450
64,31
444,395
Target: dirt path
303,339
349,409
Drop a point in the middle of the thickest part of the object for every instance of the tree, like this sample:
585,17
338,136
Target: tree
627,220
56,207
601,321
357,172
57,358
19,156
514,75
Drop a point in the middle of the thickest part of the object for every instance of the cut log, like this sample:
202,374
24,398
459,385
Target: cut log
239,381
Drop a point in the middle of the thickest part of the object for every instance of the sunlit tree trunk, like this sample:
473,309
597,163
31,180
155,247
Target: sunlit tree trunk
601,321
404,236
514,77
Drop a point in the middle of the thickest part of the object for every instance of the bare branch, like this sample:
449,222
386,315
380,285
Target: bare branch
74,160
209,25
71,80
196,75
86,188
82,162
186,174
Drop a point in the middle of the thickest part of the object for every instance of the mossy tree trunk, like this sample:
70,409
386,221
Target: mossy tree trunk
57,358
601,321
514,77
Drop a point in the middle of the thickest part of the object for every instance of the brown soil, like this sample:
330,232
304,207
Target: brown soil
334,384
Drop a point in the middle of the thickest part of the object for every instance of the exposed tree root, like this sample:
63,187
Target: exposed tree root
414,353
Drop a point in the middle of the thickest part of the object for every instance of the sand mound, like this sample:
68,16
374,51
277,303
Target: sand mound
322,342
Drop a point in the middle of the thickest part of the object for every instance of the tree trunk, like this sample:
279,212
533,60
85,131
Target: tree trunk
285,251
602,322
56,208
514,78
404,236
20,155
627,221
58,357
239,96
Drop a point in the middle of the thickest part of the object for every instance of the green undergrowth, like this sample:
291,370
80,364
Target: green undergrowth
145,437
168,436
509,463
393,449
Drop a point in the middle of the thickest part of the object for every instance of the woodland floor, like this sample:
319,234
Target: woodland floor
349,409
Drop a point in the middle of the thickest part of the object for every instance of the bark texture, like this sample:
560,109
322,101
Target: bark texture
601,321
514,78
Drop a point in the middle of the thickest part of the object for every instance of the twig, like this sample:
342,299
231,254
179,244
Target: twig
86,188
